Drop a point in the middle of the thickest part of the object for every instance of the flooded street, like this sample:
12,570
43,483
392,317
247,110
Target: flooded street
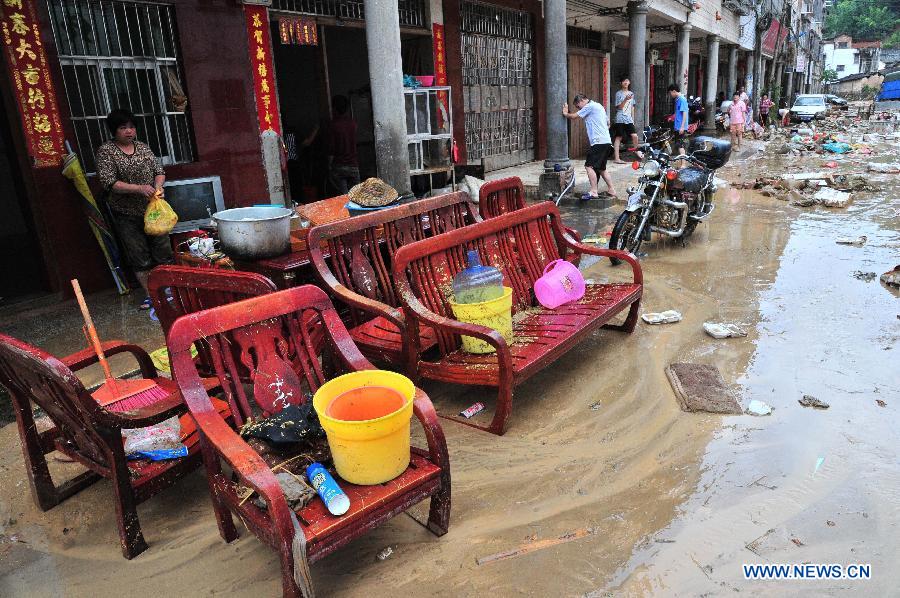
601,485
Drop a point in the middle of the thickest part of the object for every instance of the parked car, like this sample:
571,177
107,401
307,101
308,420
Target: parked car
808,107
836,100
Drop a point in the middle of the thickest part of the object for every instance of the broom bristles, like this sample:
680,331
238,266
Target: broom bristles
126,395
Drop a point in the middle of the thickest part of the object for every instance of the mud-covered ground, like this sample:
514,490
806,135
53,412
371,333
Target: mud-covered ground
662,502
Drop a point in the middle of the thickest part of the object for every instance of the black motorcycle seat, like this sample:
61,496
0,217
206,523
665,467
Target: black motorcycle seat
692,179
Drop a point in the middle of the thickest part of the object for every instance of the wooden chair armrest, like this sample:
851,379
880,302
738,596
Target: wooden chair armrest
434,434
147,416
349,296
626,256
87,357
572,233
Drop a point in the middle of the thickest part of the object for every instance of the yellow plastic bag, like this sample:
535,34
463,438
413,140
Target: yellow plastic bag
159,218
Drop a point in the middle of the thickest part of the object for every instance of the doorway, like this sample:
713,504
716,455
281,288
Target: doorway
585,77
22,272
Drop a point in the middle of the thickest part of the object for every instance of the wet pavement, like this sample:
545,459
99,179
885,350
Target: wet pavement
631,495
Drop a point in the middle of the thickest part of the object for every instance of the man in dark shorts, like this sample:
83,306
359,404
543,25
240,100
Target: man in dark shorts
597,124
624,126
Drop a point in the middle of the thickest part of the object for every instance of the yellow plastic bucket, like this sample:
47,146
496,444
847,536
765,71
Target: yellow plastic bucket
371,451
496,314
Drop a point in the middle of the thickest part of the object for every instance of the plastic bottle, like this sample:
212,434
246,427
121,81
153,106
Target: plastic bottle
477,283
331,494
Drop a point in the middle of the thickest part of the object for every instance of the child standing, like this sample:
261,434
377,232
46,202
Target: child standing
737,113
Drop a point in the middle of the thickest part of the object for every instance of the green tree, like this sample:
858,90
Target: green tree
862,19
893,40
829,76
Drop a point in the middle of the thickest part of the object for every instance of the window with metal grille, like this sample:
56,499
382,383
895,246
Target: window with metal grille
584,38
411,13
122,55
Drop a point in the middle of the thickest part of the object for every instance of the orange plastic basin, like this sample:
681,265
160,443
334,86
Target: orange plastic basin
367,402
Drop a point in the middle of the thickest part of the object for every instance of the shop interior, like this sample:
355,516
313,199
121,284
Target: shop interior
308,77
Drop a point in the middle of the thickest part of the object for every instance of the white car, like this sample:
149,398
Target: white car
809,107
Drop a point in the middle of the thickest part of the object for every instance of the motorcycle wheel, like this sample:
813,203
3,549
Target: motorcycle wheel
623,237
689,228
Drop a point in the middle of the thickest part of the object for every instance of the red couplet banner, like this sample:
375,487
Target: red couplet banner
261,64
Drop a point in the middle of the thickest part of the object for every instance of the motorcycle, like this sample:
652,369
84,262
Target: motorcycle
668,200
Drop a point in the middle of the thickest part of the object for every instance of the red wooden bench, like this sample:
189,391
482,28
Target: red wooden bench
353,258
281,326
89,434
520,244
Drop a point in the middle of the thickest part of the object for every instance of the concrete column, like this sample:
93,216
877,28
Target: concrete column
748,79
386,79
732,71
712,78
637,59
683,58
789,94
555,83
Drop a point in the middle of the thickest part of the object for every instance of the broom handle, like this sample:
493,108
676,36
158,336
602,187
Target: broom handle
92,332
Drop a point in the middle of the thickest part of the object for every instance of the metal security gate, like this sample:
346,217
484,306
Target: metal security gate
497,81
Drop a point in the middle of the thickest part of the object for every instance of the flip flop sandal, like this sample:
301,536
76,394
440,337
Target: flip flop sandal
145,304
588,197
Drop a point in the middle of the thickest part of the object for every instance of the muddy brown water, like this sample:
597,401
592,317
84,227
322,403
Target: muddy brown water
596,442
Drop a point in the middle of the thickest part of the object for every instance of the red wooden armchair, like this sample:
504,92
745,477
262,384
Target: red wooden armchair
89,434
279,328
179,290
352,257
520,244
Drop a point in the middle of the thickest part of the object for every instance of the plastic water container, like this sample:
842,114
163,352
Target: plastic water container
477,283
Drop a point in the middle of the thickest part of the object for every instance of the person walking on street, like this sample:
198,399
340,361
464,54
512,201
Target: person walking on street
736,114
624,119
680,124
597,124
764,105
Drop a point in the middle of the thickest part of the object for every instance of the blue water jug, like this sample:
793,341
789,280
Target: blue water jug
477,283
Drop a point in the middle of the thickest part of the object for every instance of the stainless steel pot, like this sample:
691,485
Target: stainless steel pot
254,233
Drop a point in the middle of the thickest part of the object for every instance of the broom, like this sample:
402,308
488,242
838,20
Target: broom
119,395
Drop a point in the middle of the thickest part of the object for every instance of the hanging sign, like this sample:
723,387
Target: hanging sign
440,65
32,86
298,31
261,64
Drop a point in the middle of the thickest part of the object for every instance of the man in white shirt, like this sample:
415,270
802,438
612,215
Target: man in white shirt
597,124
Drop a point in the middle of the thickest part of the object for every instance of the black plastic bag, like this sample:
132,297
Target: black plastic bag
291,425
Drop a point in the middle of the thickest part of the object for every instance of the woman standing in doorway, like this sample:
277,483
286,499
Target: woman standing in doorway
130,175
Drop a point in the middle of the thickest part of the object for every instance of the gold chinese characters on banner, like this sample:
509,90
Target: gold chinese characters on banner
33,88
261,64
298,31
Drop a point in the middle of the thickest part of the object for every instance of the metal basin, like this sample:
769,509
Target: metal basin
254,233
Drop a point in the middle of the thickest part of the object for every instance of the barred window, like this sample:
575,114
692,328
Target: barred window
122,55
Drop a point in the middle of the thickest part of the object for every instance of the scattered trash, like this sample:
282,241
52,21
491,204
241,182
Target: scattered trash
385,553
758,408
819,462
596,406
830,523
884,168
811,401
837,148
723,330
665,317
858,241
294,423
157,443
831,164
892,277
472,411
296,491
832,198
328,490
700,387
880,403
865,276
798,541
534,545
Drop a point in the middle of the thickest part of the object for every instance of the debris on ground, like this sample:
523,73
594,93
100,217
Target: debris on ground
857,241
832,198
665,317
880,403
798,541
884,168
892,277
758,408
534,545
830,523
700,387
819,463
472,411
865,276
385,553
811,401
723,330
596,406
